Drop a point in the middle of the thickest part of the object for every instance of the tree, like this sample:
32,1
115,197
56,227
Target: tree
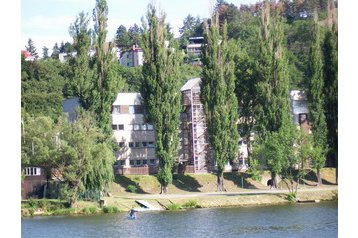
218,97
31,48
330,74
122,38
107,81
315,91
83,75
62,47
55,51
45,53
161,92
273,110
134,34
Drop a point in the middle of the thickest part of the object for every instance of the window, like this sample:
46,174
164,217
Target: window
121,144
152,161
136,127
31,171
144,162
116,109
135,109
114,127
144,143
131,162
143,127
149,127
131,144
138,162
131,109
121,127
122,162
138,144
151,144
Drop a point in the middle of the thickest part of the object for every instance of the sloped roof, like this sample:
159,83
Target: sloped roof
128,99
191,83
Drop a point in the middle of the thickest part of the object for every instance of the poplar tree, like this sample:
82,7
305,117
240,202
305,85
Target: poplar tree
161,92
272,88
83,74
316,99
106,83
218,97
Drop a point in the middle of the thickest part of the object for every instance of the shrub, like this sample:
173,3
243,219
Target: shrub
44,204
89,210
191,204
110,209
254,171
174,207
291,197
131,188
32,203
64,211
31,211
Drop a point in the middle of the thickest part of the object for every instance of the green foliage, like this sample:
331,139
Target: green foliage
89,210
316,93
173,207
64,211
254,169
291,197
131,188
161,92
110,209
191,204
218,97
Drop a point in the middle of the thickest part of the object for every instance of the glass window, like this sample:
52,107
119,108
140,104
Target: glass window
138,144
136,127
144,162
116,109
150,144
138,162
152,161
131,162
114,127
121,144
144,143
143,127
149,127
130,144
121,127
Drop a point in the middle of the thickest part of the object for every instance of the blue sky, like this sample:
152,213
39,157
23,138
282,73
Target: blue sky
47,21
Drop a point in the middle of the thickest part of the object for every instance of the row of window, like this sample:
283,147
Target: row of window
132,109
139,162
31,171
134,127
141,144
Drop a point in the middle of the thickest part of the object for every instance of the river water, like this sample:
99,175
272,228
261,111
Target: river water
298,220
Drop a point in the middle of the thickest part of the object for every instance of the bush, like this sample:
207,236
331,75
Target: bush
174,207
254,171
110,209
131,189
191,204
32,203
291,197
65,211
89,210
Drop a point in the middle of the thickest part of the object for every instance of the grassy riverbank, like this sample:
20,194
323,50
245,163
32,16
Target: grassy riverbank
190,191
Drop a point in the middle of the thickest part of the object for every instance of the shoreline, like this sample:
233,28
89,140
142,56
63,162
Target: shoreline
249,198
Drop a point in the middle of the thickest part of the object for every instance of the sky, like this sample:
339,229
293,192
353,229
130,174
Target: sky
47,21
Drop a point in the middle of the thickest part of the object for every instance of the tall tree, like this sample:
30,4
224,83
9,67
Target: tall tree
273,109
55,51
330,74
107,81
45,53
316,94
83,74
31,48
161,92
122,38
134,33
218,97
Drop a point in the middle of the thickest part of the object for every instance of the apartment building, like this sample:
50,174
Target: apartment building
132,57
134,136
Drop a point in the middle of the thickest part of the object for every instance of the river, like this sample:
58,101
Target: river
298,220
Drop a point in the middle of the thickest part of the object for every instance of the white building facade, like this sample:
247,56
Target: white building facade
135,137
132,57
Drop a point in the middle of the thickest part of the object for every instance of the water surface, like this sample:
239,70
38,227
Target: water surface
299,220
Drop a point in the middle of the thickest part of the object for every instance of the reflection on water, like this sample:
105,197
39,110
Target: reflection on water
301,220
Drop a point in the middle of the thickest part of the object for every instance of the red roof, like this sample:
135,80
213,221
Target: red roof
26,54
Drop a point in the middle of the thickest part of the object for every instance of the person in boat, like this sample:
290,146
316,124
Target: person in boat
133,213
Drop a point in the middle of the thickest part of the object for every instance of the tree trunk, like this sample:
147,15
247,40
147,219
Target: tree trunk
163,189
220,181
319,179
274,178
